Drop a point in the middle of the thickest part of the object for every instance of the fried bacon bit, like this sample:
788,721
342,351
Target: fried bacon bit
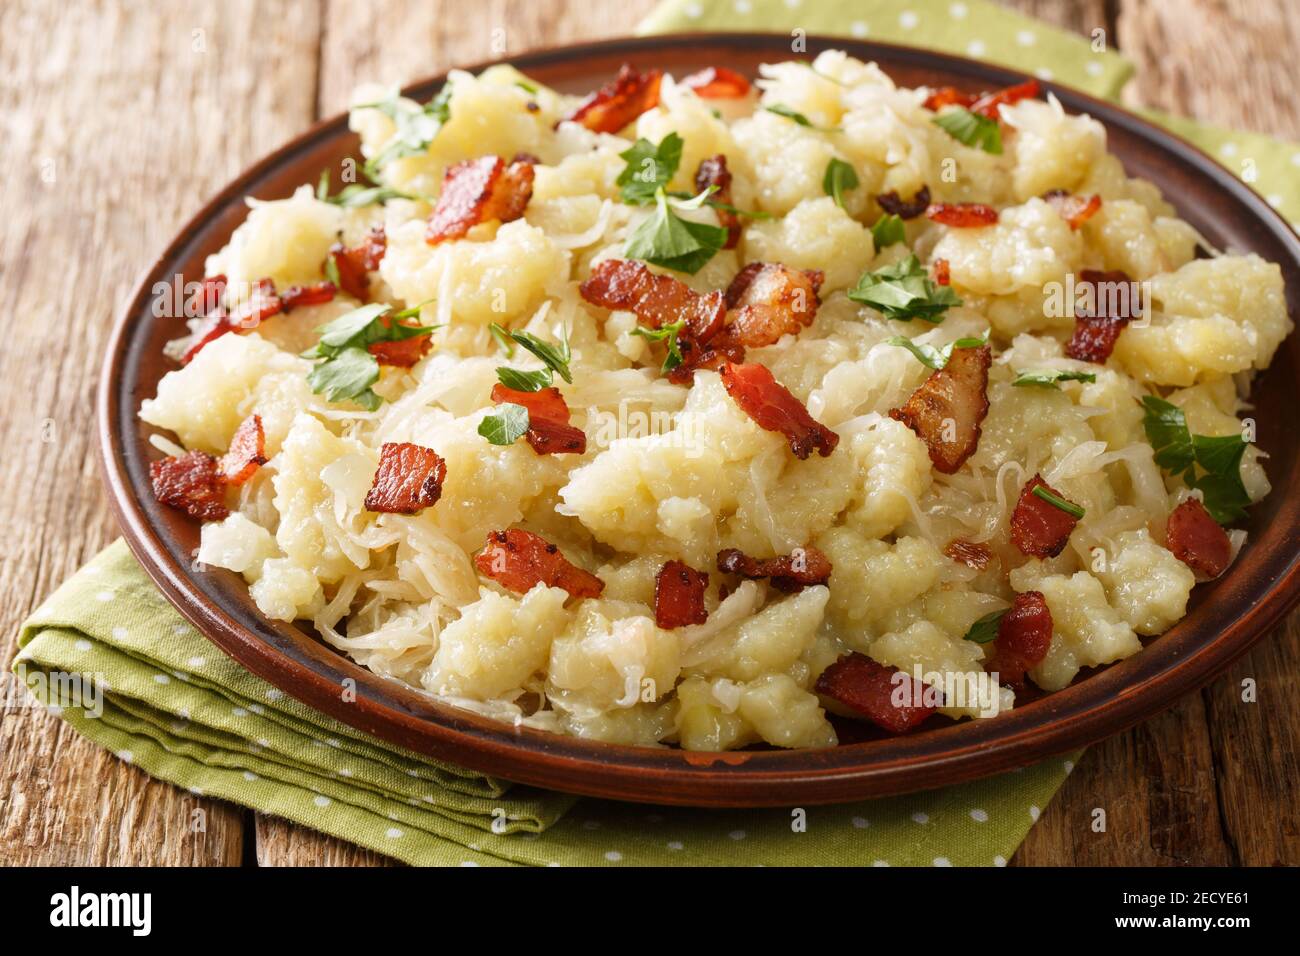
1039,528
990,104
717,83
247,452
354,264
905,208
213,327
248,315
947,409
1024,635
192,483
948,96
1197,540
518,560
620,101
211,289
403,353
477,190
962,215
942,272
1075,210
969,553
771,406
657,300
770,300
1096,331
801,568
714,172
867,687
522,157
679,596
549,431
710,355
318,293
409,479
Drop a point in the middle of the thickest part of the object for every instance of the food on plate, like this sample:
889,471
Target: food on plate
693,411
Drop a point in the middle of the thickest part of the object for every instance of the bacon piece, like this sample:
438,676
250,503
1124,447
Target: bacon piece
714,172
408,480
711,355
216,324
1197,540
192,483
990,104
247,452
942,272
770,300
1024,635
657,300
258,307
1096,329
969,553
869,687
209,295
620,101
475,191
795,571
403,353
1039,528
948,96
354,264
518,560
549,431
679,596
962,215
905,208
717,83
1075,210
318,293
771,406
947,409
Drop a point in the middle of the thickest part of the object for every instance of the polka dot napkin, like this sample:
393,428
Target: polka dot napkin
986,31
110,656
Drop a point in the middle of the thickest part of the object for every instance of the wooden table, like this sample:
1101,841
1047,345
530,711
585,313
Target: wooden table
120,118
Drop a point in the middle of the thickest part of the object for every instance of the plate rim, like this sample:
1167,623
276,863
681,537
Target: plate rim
960,752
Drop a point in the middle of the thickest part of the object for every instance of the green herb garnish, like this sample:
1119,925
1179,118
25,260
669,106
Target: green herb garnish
1049,377
1211,464
986,628
888,230
556,358
668,240
348,369
668,335
505,425
355,195
904,291
935,358
971,128
838,179
417,126
649,168
792,114
1056,501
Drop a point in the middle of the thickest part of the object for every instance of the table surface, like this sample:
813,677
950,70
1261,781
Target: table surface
120,118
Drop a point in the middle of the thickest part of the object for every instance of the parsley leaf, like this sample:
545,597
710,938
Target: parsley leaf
1049,377
355,195
649,167
986,628
904,291
503,339
416,126
935,358
1209,463
505,425
524,381
555,358
791,114
1056,501
668,240
668,335
838,179
348,369
347,375
887,230
971,128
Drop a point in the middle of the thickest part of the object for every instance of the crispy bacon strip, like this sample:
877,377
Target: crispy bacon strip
962,215
211,290
403,353
867,687
712,355
942,272
477,190
679,596
714,172
801,568
1197,540
1039,528
318,293
247,452
771,406
1075,210
717,83
948,96
518,560
947,409
215,324
892,203
990,104
355,263
408,480
769,300
1096,330
657,300
192,483
969,553
620,101
1024,635
549,431
248,315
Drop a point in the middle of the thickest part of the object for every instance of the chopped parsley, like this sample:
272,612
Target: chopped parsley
649,168
668,335
556,358
935,358
971,128
839,179
794,115
904,291
1211,464
986,628
505,425
417,126
666,239
1049,377
1056,501
348,370
888,230
355,195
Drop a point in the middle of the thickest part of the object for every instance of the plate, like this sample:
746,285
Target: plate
1223,621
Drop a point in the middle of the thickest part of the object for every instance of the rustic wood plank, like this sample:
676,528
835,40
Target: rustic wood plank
281,843
119,120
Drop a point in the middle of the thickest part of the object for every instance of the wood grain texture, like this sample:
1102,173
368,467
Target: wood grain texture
123,117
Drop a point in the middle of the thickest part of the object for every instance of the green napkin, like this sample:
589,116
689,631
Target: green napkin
109,655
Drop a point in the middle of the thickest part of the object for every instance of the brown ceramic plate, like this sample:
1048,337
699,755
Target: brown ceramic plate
1225,618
